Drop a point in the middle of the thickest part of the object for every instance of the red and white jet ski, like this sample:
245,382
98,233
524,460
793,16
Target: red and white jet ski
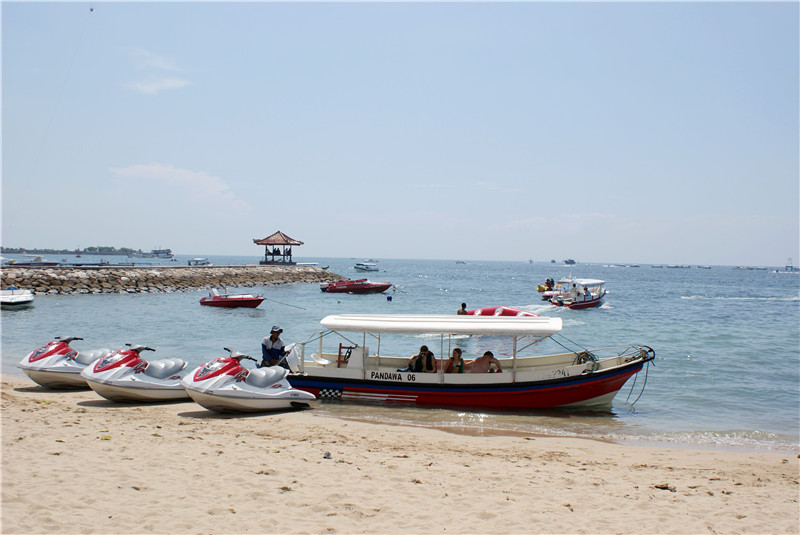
124,376
224,385
56,365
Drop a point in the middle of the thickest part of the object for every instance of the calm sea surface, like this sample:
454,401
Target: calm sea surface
727,341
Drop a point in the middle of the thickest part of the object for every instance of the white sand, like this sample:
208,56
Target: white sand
76,463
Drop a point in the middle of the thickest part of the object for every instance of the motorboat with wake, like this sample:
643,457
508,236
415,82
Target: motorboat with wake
358,286
577,378
224,385
57,365
124,376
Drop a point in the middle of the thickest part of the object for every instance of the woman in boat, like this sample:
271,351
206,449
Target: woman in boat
454,364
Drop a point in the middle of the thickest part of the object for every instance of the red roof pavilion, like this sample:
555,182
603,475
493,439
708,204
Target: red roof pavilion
277,255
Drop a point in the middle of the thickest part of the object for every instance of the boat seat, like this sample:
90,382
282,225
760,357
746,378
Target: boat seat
319,360
263,377
161,369
87,357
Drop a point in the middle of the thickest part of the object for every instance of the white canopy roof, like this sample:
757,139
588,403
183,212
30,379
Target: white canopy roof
443,324
582,282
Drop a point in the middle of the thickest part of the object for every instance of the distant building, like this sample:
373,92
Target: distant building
278,248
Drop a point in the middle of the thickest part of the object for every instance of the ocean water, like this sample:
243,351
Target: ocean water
727,341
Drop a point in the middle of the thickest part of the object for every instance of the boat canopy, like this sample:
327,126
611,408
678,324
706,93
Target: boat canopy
582,282
443,324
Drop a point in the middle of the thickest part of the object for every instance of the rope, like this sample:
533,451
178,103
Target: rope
287,304
646,369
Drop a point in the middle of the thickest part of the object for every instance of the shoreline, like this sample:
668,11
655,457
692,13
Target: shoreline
146,462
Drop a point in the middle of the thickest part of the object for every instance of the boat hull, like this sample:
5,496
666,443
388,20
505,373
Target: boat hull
356,287
222,403
597,389
578,304
232,302
57,380
146,392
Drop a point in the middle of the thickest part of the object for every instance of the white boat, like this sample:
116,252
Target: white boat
198,262
353,373
582,293
13,297
124,376
366,266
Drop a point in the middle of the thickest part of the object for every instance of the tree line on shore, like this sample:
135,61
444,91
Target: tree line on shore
98,250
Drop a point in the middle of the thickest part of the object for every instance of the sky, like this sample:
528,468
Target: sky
605,132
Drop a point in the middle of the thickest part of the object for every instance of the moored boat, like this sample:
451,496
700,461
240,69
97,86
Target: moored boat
359,286
12,297
215,299
581,378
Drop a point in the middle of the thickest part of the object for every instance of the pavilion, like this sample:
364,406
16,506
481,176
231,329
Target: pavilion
281,248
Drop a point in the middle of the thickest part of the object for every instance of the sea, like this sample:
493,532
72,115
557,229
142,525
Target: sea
727,340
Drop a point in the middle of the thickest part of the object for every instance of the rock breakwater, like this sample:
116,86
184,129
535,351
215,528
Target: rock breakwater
159,279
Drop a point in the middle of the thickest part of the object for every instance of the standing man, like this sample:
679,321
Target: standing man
272,349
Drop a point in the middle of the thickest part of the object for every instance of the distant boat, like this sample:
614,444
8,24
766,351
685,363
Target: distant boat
460,262
569,262
366,266
790,267
198,262
657,266
703,267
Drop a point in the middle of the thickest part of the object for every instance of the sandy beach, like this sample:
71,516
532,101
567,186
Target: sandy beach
76,463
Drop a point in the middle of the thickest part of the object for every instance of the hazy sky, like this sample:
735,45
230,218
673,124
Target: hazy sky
623,132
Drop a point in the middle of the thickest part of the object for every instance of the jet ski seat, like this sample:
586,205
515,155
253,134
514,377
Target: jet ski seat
87,357
263,377
161,369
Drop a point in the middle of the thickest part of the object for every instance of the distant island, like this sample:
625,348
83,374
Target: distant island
98,251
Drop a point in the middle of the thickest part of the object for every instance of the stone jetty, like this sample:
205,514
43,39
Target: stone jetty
67,280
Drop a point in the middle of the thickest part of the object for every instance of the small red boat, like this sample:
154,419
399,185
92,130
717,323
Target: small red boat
500,311
360,286
214,299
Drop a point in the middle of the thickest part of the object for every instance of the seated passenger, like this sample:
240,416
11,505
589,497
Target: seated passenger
454,364
482,364
423,361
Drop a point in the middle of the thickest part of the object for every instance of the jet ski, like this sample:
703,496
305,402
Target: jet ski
124,376
56,365
224,385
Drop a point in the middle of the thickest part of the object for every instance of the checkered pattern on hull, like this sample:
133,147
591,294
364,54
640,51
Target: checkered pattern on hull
330,393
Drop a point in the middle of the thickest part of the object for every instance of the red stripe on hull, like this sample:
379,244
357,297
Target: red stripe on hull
535,397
